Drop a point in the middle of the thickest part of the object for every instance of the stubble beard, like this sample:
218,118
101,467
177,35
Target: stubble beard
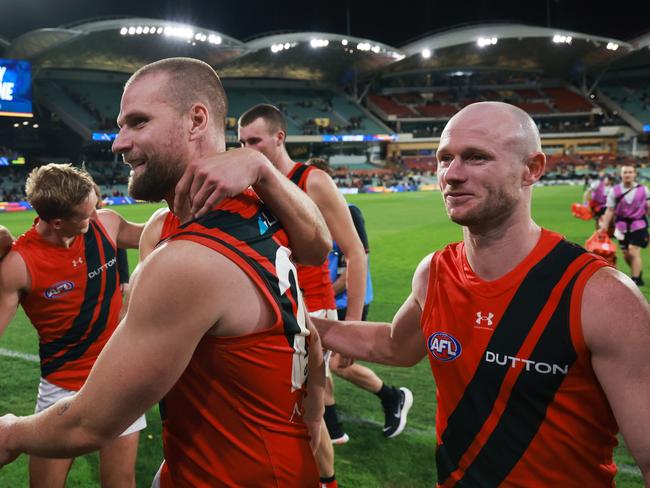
497,208
158,179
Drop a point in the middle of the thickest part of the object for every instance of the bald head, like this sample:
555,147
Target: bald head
513,127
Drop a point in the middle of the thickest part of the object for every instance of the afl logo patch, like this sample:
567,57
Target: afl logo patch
59,289
444,347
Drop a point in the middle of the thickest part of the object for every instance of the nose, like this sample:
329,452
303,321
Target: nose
122,142
453,173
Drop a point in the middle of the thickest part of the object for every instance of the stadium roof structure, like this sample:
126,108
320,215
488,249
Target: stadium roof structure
555,53
121,44
637,59
319,56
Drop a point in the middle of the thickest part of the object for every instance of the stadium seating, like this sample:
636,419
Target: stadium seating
632,96
303,106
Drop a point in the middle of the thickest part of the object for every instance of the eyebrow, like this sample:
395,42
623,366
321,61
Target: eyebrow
131,115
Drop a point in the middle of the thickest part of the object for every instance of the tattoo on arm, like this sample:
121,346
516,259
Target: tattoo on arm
62,409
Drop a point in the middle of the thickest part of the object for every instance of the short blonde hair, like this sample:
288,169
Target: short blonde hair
189,80
55,189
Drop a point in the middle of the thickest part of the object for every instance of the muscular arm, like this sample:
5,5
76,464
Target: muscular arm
208,181
5,241
397,344
331,203
616,328
140,363
14,279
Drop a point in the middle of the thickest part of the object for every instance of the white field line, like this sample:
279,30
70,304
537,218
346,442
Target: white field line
32,358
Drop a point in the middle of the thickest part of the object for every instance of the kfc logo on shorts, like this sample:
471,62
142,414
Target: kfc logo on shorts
444,347
58,289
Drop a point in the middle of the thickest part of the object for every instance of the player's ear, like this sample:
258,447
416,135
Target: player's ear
199,119
535,167
55,223
280,137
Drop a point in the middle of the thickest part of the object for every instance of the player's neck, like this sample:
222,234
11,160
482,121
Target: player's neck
629,184
284,164
51,235
495,252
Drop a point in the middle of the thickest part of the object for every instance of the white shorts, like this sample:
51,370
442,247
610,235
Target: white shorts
49,394
329,314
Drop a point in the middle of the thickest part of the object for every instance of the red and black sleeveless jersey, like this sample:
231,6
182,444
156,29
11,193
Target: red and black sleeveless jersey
234,418
314,281
74,302
519,404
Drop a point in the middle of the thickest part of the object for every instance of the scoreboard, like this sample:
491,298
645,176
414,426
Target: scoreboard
15,88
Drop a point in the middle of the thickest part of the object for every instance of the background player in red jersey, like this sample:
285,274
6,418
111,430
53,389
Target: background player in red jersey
539,350
62,271
395,409
188,299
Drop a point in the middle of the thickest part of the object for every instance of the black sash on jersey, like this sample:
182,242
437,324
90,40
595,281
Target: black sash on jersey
82,326
531,394
298,174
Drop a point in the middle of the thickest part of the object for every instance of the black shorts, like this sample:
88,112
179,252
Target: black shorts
364,313
637,238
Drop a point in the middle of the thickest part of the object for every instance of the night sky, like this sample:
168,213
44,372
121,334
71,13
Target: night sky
396,26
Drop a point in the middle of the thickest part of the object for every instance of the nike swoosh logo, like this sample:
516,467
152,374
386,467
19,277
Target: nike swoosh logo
399,411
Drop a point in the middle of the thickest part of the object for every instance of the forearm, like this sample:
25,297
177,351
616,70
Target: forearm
308,235
339,284
356,285
57,432
368,341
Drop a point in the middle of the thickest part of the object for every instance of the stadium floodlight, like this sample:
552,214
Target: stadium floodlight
363,46
160,30
131,30
16,125
562,39
138,30
612,46
315,43
375,49
344,42
25,123
287,45
426,53
124,31
486,41
145,29
214,39
35,126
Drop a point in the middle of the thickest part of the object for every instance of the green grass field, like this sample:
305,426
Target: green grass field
402,228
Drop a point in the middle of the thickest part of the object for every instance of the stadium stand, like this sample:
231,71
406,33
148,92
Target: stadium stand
359,103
